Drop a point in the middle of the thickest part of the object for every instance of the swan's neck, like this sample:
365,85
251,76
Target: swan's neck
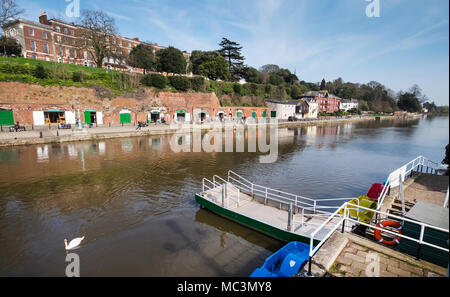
65,243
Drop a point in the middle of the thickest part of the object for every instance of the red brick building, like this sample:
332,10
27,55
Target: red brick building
55,40
328,103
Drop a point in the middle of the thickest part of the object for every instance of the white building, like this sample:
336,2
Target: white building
348,104
301,109
281,110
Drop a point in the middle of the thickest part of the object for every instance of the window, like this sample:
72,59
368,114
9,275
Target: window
44,35
75,53
60,51
34,57
47,58
33,46
67,52
58,29
58,38
46,48
72,32
85,55
65,30
129,44
31,31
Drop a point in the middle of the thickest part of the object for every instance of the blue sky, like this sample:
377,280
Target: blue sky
407,44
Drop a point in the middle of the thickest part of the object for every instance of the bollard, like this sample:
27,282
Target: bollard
57,133
40,134
49,127
110,125
32,127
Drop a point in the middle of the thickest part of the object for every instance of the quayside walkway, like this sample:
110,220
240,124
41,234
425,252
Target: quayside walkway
418,199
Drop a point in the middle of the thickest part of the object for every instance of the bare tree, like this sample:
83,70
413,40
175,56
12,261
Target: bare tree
9,10
97,35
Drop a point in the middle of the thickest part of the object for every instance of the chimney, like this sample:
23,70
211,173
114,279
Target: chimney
135,38
43,18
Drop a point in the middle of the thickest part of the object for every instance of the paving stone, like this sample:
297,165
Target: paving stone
355,258
362,254
343,260
398,271
411,268
387,274
350,271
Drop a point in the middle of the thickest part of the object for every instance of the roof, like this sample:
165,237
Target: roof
322,93
349,101
287,102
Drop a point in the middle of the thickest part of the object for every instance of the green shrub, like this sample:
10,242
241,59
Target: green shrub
158,81
146,80
77,76
181,83
40,72
227,89
238,89
197,83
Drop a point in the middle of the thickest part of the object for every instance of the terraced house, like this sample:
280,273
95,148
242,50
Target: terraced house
55,40
328,103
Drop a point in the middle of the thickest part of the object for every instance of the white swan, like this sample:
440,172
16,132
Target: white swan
74,243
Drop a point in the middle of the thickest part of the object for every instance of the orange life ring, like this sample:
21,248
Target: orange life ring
393,224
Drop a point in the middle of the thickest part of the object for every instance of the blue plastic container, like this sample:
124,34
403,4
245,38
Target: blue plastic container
286,262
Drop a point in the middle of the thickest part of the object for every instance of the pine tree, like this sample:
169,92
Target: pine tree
231,51
323,85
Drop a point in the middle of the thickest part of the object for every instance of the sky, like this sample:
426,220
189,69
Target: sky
407,44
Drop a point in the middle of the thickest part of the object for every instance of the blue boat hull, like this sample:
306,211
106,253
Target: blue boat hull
286,262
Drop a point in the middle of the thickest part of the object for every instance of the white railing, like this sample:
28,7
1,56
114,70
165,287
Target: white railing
346,217
313,205
398,176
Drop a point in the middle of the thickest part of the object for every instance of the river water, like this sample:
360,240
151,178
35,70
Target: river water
133,198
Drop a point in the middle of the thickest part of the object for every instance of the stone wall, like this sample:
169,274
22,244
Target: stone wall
23,99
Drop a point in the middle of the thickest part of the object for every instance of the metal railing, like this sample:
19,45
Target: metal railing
346,217
312,205
398,176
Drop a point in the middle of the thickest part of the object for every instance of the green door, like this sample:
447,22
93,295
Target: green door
87,117
273,114
254,114
239,114
6,117
125,118
265,114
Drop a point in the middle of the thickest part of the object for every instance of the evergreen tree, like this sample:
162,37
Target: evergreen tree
231,51
323,85
142,56
171,60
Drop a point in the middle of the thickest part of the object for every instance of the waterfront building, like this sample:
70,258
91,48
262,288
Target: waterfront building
55,40
348,104
301,109
328,103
